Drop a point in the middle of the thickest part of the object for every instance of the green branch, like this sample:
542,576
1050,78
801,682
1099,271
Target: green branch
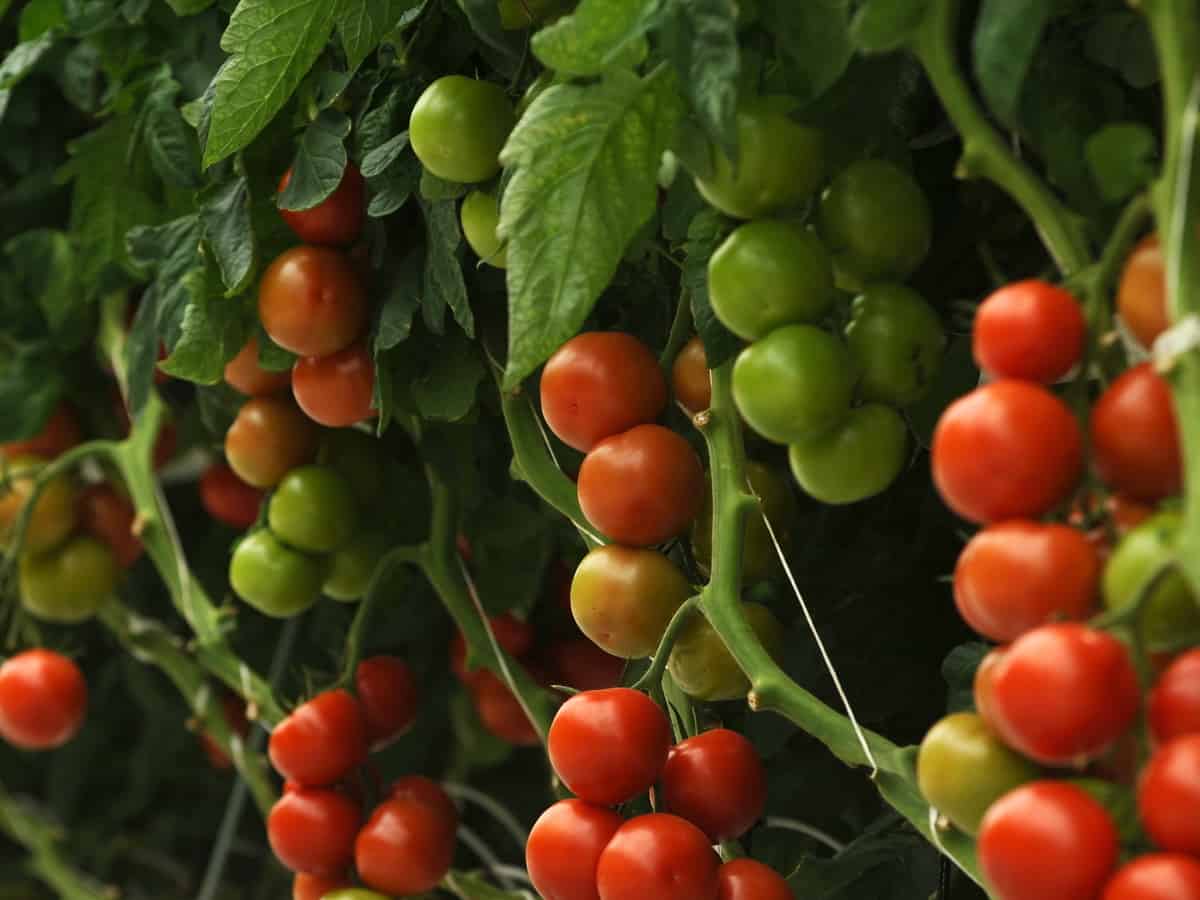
652,677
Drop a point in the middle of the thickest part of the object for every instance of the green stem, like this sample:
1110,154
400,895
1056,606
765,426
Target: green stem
681,327
48,862
362,615
1099,283
653,675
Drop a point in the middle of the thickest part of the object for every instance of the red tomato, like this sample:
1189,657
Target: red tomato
418,789
500,711
387,693
109,516
336,390
598,384
513,635
984,679
1007,450
338,219
564,849
43,700
314,887
268,439
1125,513
1142,293
227,498
321,741
1156,876
312,830
642,486
406,847
660,856
580,664
1029,330
1169,795
690,380
609,746
1047,841
1135,436
60,433
1063,694
245,375
311,301
1175,700
716,781
1016,575
234,710
748,879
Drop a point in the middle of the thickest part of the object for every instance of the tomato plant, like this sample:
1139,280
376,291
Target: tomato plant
321,741
111,518
274,578
1155,876
1142,291
70,583
1029,330
1168,795
897,341
776,501
480,214
54,513
716,781
313,830
227,498
338,219
406,846
690,381
59,433
387,693
268,438
1135,436
311,301
43,699
458,126
855,459
336,390
748,879
659,854
702,664
1174,704
313,509
564,849
246,375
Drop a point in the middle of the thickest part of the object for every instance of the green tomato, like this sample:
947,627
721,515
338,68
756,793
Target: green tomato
1171,611
897,341
67,585
458,127
876,221
624,597
780,163
53,516
794,383
273,578
857,458
769,273
313,509
962,769
351,567
480,215
705,669
759,559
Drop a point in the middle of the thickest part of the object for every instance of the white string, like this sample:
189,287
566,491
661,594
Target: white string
587,535
805,829
489,859
497,811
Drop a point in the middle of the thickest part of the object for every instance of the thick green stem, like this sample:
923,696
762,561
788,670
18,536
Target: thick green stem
658,665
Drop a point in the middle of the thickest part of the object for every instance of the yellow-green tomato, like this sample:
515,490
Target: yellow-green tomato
53,516
703,667
458,127
897,341
273,578
480,215
759,559
623,597
856,459
69,583
769,273
962,769
351,567
313,509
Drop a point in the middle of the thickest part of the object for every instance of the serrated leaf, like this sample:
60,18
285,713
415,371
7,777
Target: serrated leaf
19,62
815,36
273,44
403,280
31,384
320,162
362,24
225,212
1006,38
598,36
170,143
377,161
1122,157
443,284
883,25
484,16
585,162
213,330
44,260
38,17
701,42
433,187
391,190
705,234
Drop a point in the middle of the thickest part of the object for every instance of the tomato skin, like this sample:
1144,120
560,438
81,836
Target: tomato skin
897,341
109,516
962,769
314,887
273,578
1175,700
321,741
623,597
1135,436
352,567
311,301
1063,693
580,664
54,515
1030,330
716,781
387,694
336,390
268,439
857,458
313,509
480,215
419,789
748,879
794,383
227,498
1169,795
501,712
598,384
406,847
641,487
59,434
776,500
1014,576
43,699
246,376
564,849
691,382
312,830
704,667
1156,876
338,219
1142,292
609,746
458,127
514,637
1007,450
1047,841
660,856
68,584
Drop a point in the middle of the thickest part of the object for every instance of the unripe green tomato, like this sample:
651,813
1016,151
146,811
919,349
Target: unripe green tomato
623,597
876,222
759,559
480,216
769,273
1171,610
313,509
780,163
355,894
897,341
53,516
351,567
705,669
794,383
458,127
68,584
857,458
273,578
962,769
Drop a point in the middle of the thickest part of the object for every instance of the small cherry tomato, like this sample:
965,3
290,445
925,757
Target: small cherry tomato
268,439
54,515
1030,330
426,791
314,887
514,637
480,214
245,375
1142,293
501,712
1175,700
856,458
273,578
311,301
777,501
716,781
387,693
703,666
580,664
748,879
321,740
336,390
660,856
109,516
1156,876
313,509
1135,436
312,830
43,699
227,498
69,584
59,434
406,847
1169,795
897,341
353,565
458,127
338,219
691,382
564,849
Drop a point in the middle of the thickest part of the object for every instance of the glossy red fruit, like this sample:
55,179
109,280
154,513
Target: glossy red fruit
336,390
1156,876
1169,795
580,664
387,693
312,830
311,301
660,856
314,887
245,375
748,879
227,498
406,847
1031,330
1135,436
500,711
564,849
1175,700
43,700
425,791
321,741
513,635
110,516
59,434
716,781
338,219
598,384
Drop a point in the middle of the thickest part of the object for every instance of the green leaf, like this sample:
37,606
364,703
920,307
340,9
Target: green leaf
707,231
214,329
271,356
1006,39
272,45
171,145
815,37
884,25
38,17
484,16
362,24
378,160
391,190
45,262
958,670
31,384
403,278
585,162
598,36
189,7
702,45
225,212
1122,41
434,187
443,282
444,388
320,162
1123,159
20,61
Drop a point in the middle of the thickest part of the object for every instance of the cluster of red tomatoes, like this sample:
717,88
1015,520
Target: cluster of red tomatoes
1059,693
612,746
